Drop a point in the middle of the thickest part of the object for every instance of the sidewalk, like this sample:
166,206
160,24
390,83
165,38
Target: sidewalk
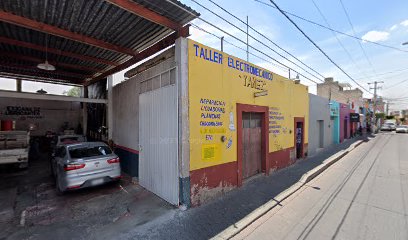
208,220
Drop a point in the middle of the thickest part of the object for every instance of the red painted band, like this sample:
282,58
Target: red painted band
127,149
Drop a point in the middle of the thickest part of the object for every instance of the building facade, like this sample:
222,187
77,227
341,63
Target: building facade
320,124
194,123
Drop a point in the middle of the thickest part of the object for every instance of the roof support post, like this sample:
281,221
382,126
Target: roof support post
110,107
84,94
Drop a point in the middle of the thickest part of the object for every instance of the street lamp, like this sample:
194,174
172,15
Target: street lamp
405,43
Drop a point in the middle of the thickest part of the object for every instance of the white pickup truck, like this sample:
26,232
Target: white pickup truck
14,147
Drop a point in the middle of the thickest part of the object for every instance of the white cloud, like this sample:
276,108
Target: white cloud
376,36
393,27
404,23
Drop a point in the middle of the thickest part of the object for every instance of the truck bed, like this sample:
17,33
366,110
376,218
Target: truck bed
14,139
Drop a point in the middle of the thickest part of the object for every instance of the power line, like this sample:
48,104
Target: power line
214,35
275,44
259,40
335,35
386,73
327,56
354,34
331,29
203,30
236,38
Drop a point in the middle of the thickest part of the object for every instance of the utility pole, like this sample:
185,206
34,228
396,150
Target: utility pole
375,101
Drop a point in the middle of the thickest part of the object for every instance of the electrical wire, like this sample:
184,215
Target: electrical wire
331,29
203,30
324,53
354,34
257,40
229,34
222,30
275,44
337,38
226,41
385,73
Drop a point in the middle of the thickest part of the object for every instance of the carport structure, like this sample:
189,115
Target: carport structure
86,41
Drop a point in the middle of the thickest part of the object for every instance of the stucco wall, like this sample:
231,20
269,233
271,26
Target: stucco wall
126,115
319,109
44,115
126,106
221,88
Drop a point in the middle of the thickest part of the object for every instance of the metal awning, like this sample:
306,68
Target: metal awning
85,40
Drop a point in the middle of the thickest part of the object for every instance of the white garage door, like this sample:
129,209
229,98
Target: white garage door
158,137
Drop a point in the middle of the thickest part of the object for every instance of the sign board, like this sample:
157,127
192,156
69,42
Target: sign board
354,117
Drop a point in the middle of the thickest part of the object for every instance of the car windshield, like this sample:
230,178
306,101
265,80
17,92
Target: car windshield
84,152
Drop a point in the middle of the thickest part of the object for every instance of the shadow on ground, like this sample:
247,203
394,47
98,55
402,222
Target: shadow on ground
208,220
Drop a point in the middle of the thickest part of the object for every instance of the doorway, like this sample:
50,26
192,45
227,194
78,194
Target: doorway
254,116
320,126
251,144
299,137
345,129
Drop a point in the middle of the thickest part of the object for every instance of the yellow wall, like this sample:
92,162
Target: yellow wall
213,82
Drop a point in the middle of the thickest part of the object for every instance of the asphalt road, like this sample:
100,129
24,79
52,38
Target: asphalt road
362,196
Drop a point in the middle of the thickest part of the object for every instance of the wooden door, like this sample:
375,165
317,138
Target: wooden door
299,139
252,144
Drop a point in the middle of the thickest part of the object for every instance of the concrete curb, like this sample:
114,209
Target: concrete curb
236,228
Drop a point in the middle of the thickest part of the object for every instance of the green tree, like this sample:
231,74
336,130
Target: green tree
379,115
73,92
389,117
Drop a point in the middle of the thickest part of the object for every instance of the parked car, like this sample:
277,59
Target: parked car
402,129
86,164
65,139
388,127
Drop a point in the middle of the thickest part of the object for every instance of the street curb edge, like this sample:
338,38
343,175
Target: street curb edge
236,228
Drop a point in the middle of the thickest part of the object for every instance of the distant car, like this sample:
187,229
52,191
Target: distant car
388,127
402,129
81,165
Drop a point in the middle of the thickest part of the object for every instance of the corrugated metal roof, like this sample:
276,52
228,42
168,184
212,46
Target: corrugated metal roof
93,18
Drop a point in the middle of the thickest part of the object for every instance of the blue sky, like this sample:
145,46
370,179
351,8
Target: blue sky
385,22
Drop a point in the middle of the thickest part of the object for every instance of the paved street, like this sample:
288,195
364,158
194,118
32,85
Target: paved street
362,196
208,220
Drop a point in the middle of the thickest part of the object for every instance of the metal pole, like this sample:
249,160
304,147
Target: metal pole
247,39
375,103
289,73
222,44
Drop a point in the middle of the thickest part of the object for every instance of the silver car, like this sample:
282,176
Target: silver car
402,129
80,165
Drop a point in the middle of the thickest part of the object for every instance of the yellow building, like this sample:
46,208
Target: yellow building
243,120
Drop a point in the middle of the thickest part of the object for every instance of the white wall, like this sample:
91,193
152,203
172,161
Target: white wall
52,114
319,109
126,105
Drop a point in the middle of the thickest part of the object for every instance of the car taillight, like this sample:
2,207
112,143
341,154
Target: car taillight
70,167
113,160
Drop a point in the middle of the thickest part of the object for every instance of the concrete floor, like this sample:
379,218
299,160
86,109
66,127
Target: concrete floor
362,196
30,208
